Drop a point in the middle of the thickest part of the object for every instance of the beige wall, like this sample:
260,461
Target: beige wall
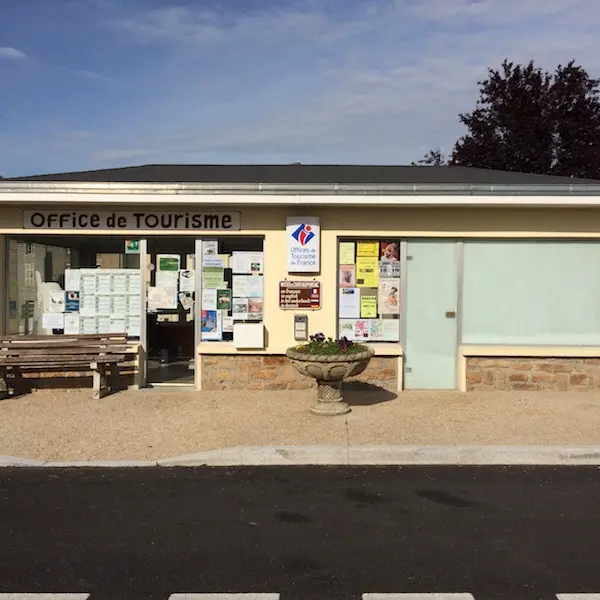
359,222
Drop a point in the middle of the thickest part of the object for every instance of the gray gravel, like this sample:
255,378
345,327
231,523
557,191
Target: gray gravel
67,425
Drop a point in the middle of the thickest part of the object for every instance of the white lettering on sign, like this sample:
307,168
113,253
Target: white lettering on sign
303,244
143,220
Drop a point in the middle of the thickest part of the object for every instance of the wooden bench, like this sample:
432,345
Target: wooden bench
102,354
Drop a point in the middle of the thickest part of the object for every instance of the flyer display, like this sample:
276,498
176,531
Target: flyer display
98,301
369,290
232,289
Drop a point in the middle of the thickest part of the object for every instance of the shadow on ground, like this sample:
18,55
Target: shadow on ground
360,393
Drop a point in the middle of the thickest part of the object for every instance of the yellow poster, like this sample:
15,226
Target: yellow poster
367,274
368,307
368,249
346,253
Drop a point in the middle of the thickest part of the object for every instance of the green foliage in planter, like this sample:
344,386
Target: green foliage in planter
319,344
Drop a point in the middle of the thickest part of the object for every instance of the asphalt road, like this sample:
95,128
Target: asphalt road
305,533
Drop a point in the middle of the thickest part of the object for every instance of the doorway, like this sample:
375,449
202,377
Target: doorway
431,315
170,311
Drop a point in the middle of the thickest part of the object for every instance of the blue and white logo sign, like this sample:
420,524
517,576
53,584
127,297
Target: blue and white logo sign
303,245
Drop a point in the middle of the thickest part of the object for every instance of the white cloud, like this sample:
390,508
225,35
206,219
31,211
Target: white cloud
382,86
8,52
186,24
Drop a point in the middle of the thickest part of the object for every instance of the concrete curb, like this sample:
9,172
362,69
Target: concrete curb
373,455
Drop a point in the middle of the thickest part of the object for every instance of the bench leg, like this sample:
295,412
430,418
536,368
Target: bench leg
115,378
3,384
18,382
100,388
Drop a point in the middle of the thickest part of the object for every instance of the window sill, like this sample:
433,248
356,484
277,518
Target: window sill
529,350
381,349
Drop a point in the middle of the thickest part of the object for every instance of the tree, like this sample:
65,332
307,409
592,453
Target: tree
433,158
532,121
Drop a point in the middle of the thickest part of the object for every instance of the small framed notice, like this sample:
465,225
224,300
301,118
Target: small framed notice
300,295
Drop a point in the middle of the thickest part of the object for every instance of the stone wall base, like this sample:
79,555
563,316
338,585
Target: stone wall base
261,372
537,374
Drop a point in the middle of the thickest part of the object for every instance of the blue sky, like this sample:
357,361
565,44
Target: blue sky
92,84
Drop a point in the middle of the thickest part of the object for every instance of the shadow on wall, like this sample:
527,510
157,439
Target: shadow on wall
360,393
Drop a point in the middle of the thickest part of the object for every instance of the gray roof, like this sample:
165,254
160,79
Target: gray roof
305,175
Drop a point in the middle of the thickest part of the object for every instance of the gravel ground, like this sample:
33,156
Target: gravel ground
154,424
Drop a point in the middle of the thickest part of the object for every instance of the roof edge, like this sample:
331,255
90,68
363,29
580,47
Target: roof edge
38,187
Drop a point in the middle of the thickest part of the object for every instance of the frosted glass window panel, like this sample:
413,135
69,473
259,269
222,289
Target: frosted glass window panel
531,292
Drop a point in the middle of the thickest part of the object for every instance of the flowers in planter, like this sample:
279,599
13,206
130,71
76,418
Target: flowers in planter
319,344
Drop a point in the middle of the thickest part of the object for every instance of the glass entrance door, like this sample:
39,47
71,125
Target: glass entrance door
431,315
170,314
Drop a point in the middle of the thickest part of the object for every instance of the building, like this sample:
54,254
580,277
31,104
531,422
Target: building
460,278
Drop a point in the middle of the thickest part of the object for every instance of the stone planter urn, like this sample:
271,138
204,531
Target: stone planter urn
330,370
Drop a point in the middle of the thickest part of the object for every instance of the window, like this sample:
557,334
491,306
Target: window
369,290
59,287
232,285
531,292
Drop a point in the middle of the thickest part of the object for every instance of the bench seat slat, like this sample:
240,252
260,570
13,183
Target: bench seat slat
27,352
82,359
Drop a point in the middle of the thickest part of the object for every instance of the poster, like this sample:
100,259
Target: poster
240,262
72,302
117,324
367,274
212,277
368,307
134,281
361,330
391,330
239,309
103,305
224,300
209,299
72,280
53,320
57,302
210,249
370,249
389,297
103,283
166,279
132,327
87,305
347,329
88,324
187,280
71,324
347,275
227,323
161,298
168,262
347,253
349,305
255,309
186,300
119,283
389,269
376,330
132,246
211,325
119,305
389,251
254,285
133,305
240,286
256,260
